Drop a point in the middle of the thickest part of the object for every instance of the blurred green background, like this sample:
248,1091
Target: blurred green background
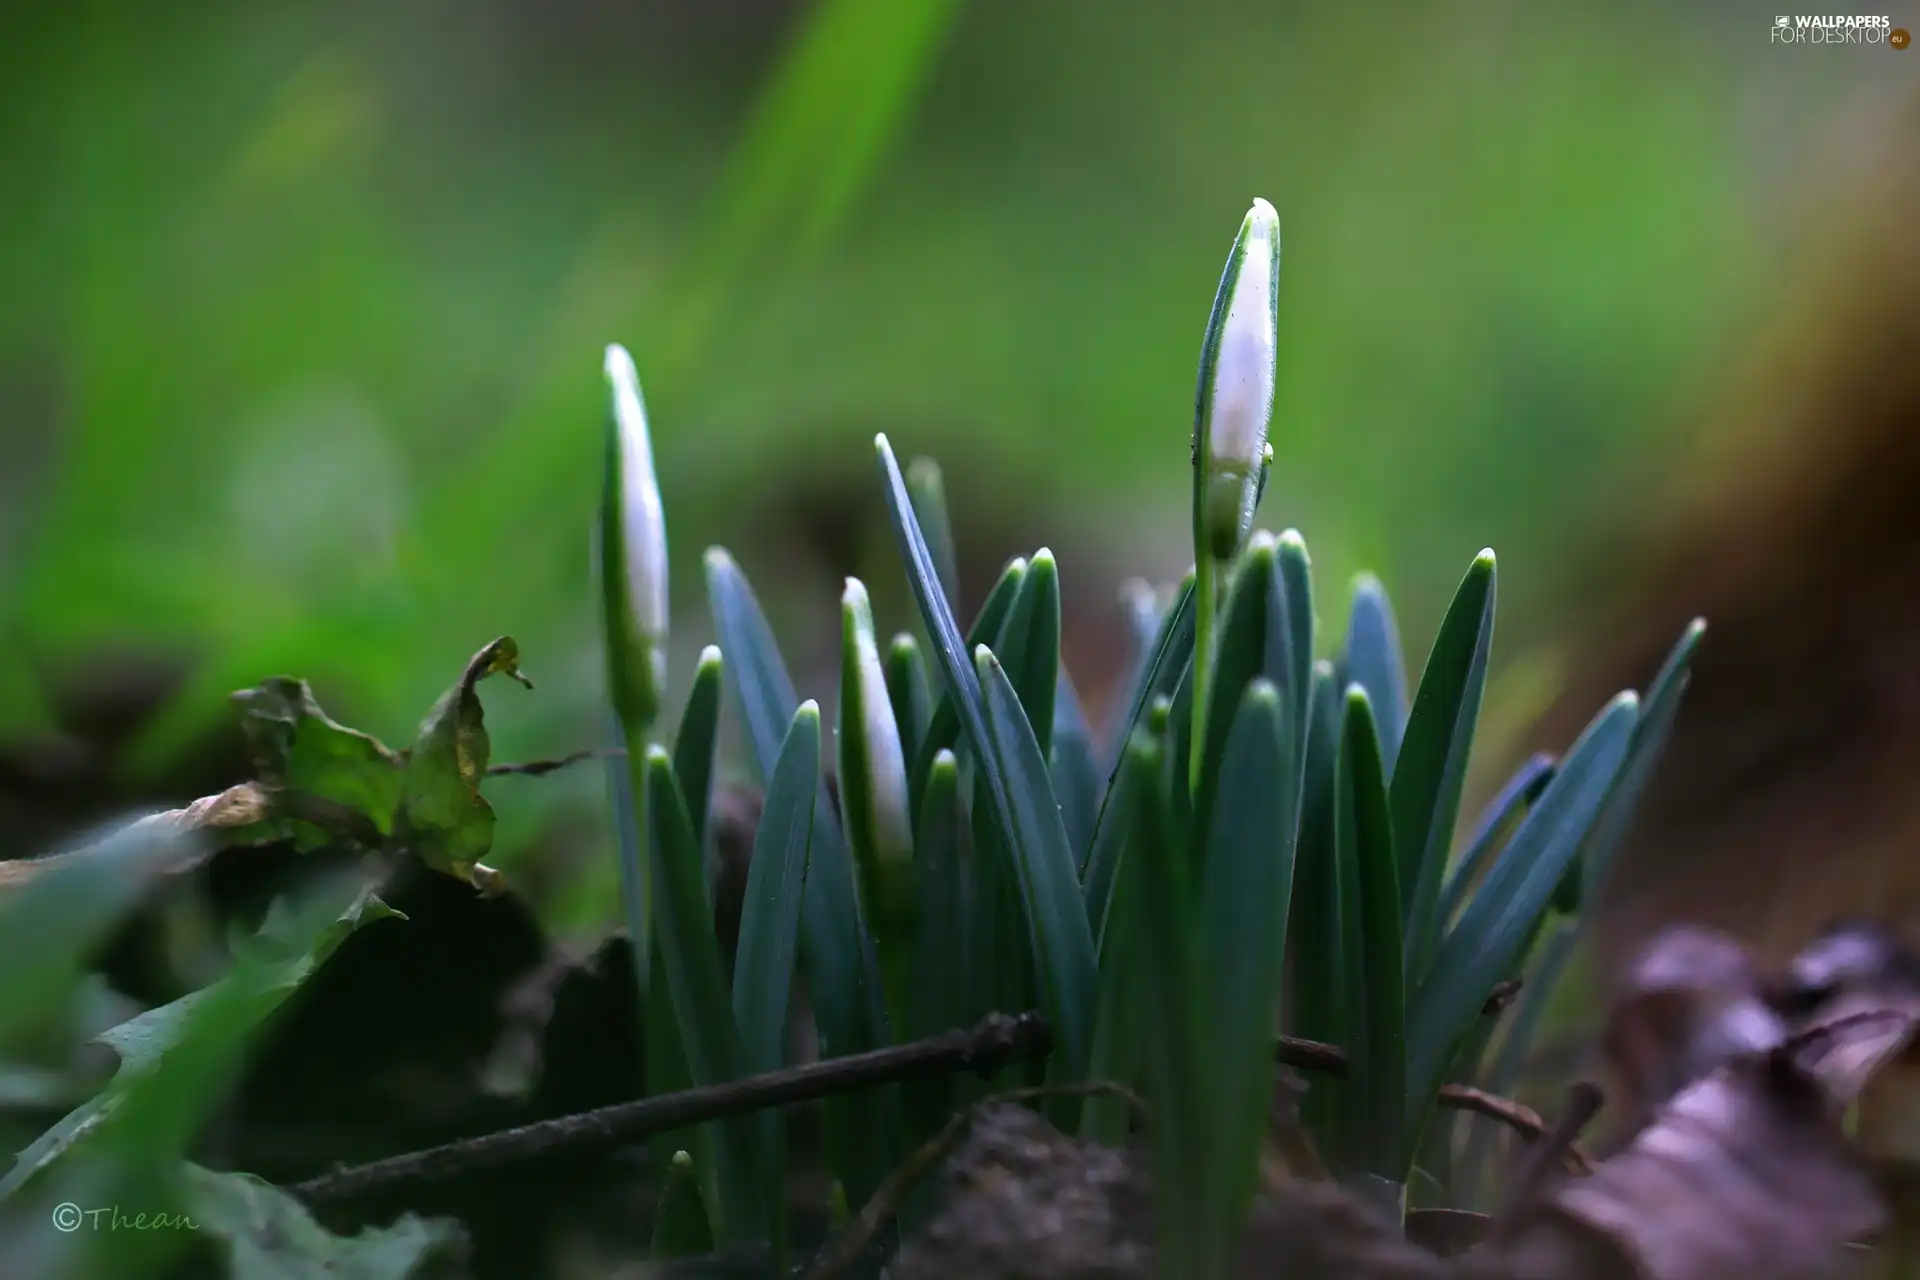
303,307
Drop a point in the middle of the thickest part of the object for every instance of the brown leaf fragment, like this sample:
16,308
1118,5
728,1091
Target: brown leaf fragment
1693,1001
1742,1174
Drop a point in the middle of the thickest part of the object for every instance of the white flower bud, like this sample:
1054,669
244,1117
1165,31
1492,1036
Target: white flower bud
1235,397
643,522
864,692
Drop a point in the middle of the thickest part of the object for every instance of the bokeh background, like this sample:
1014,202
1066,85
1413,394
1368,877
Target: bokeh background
302,307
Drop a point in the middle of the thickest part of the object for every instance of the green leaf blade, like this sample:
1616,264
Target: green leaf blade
1432,768
1372,659
693,745
1365,835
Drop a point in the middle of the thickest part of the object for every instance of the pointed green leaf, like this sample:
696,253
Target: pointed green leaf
1371,659
1432,768
1246,894
1029,645
693,746
873,789
1491,935
1658,711
1365,836
1165,664
908,690
1056,914
1014,774
1250,643
1176,1085
943,728
942,992
770,931
1322,1010
1296,588
1512,800
929,491
698,984
680,1227
445,818
1076,774
843,975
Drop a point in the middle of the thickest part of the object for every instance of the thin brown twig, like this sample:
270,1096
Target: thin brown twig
539,768
859,1234
1584,1100
996,1042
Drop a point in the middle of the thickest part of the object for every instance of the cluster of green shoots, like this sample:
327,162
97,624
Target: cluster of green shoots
1263,842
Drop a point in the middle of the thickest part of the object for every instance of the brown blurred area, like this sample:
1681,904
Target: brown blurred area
1789,795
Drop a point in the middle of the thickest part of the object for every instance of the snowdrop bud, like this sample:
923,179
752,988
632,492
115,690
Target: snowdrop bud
633,549
1235,396
873,768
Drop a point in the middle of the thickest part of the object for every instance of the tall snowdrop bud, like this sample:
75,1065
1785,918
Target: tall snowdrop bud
873,768
1235,396
632,546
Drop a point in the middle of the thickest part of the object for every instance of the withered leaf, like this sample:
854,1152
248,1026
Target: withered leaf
296,745
1692,1001
1741,1174
445,818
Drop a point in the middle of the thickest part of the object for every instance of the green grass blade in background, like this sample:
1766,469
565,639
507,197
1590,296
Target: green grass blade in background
836,952
1487,942
1056,913
1320,1007
1514,798
693,745
694,974
1245,896
1249,642
1076,773
770,931
1371,658
1432,770
823,120
929,490
909,692
1364,831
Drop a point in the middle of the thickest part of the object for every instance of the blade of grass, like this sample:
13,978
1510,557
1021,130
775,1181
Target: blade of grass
907,689
1171,654
691,960
940,993
1432,768
1143,624
1250,643
836,951
1296,588
1019,791
769,936
693,745
1514,798
989,625
929,490
1371,658
1076,775
1175,1084
1364,831
1322,1009
1493,930
1246,894
1029,647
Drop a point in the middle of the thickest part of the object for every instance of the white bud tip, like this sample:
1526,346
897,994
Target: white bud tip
854,594
810,707
657,754
619,365
982,654
717,558
1262,541
710,656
